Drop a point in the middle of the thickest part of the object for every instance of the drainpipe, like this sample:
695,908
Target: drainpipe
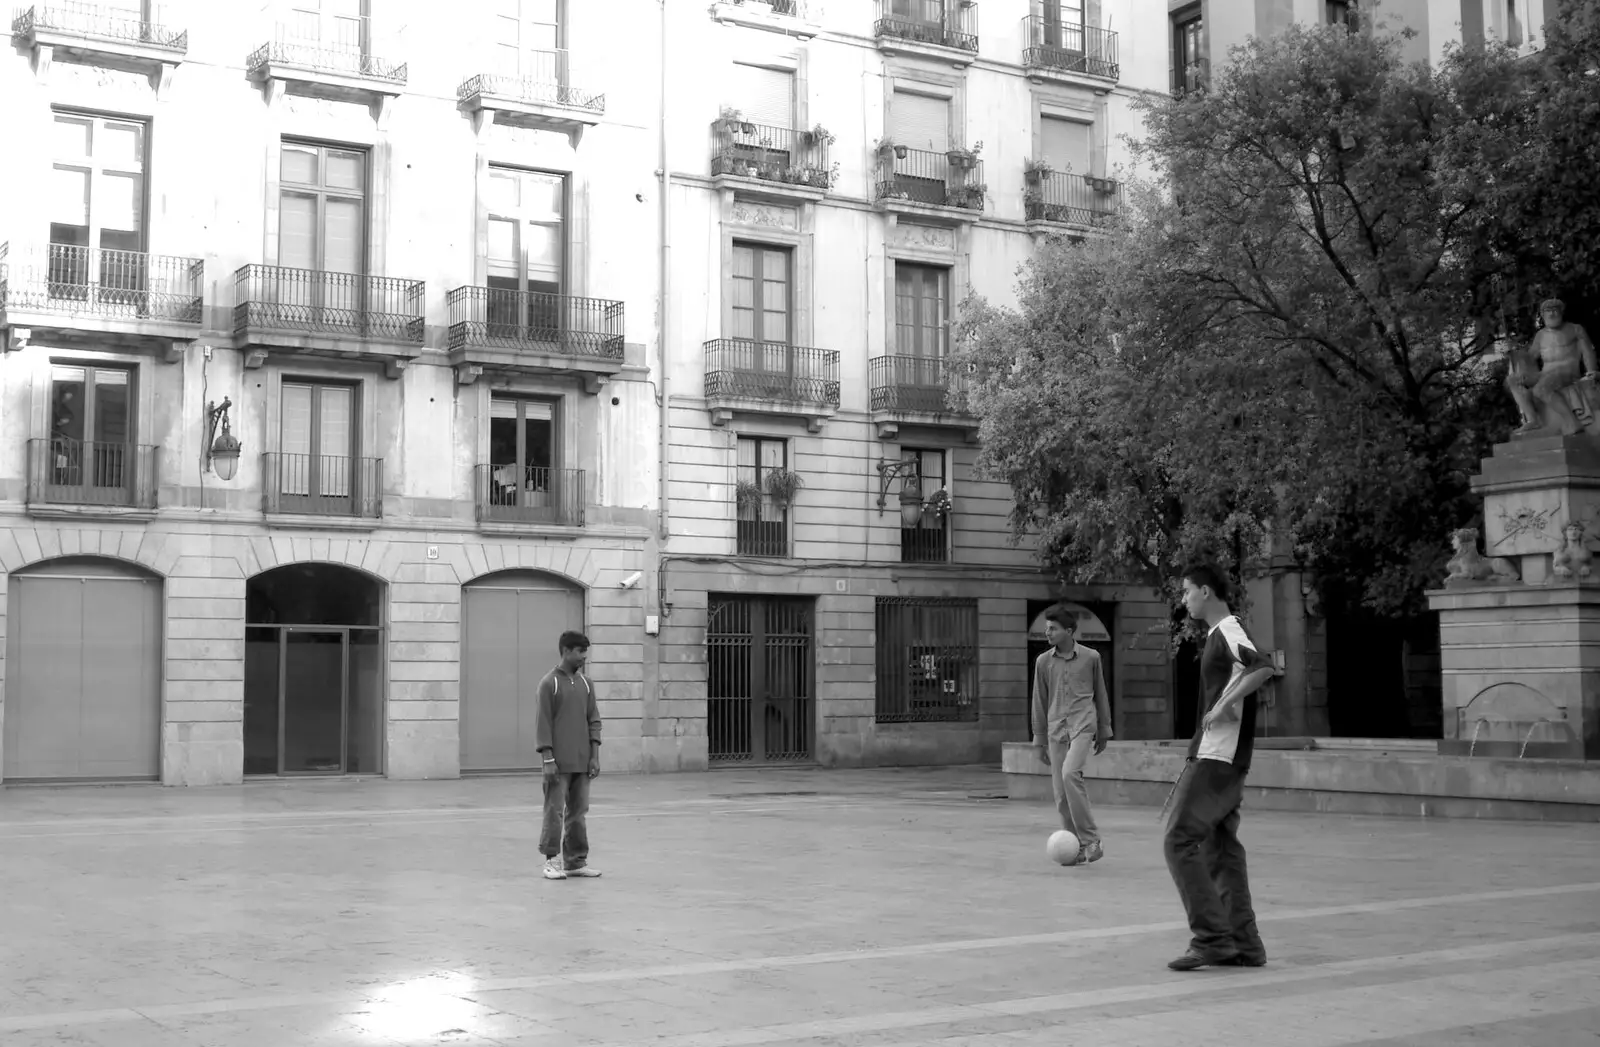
663,310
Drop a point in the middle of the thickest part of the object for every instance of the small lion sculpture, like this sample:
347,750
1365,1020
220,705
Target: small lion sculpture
1573,558
1469,565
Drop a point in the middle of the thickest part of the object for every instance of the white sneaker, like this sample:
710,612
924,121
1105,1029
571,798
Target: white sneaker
553,869
583,872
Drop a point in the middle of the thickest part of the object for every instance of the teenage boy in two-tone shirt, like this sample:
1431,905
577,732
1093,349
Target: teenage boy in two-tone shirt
568,737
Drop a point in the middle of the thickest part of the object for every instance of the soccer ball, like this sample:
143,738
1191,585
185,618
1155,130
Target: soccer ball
1062,848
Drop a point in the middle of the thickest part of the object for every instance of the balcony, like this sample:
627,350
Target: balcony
769,161
770,378
532,332
1058,198
89,295
322,485
797,18
68,477
96,34
338,65
544,98
918,390
339,315
518,496
946,30
947,186
1075,54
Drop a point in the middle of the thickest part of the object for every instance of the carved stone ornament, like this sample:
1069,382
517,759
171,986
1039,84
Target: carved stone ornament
1572,562
769,215
78,74
1470,567
911,234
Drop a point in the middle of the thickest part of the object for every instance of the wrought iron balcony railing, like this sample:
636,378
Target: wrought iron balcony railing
98,282
772,154
532,494
944,23
322,485
1070,48
95,22
740,368
764,534
535,322
949,179
345,51
311,301
545,83
1074,199
64,471
918,385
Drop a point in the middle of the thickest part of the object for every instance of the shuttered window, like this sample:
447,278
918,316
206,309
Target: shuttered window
764,96
1067,144
920,121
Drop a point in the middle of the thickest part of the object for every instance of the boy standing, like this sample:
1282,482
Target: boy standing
569,740
1202,844
1071,712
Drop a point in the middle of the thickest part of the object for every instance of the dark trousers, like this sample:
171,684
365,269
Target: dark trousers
566,803
1206,860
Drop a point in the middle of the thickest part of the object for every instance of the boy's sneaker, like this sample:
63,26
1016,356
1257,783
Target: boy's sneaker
553,869
1091,852
584,872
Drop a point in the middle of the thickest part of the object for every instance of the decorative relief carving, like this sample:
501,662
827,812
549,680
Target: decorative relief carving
324,108
746,213
99,77
1527,520
525,137
910,234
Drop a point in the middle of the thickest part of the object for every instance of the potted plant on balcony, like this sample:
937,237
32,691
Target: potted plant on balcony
1034,172
816,136
964,159
888,147
782,486
747,496
969,195
938,503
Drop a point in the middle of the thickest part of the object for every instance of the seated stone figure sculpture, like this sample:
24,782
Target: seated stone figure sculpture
1565,357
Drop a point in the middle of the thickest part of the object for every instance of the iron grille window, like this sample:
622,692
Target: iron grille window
758,679
762,525
929,540
927,660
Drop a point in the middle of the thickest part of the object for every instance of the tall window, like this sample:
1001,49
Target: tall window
1188,51
322,208
1063,24
527,36
763,525
318,445
928,541
522,446
97,203
921,310
761,293
927,12
527,251
927,659
330,25
91,427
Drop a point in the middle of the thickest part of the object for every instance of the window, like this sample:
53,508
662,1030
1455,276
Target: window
1515,22
331,25
318,448
921,310
91,431
528,39
1063,24
527,253
764,95
762,296
763,525
920,121
322,208
96,212
928,541
1340,12
522,457
927,660
1188,51
1067,144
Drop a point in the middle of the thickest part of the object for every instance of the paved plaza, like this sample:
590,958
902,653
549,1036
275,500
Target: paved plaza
800,907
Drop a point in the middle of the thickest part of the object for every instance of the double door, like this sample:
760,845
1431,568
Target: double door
759,680
311,700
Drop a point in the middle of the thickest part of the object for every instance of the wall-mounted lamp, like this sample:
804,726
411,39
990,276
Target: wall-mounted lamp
222,448
905,470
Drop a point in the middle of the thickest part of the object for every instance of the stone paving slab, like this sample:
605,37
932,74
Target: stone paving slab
883,908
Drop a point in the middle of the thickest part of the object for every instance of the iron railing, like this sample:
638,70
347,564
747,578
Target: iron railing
322,485
532,494
95,281
772,371
95,22
948,179
64,471
918,385
1050,44
547,83
1061,196
534,321
928,542
772,154
766,533
944,23
277,298
759,679
346,50
927,659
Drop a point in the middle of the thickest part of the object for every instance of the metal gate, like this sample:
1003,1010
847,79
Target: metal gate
758,688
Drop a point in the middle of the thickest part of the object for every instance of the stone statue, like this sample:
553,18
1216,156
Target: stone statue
1573,558
1565,358
1469,566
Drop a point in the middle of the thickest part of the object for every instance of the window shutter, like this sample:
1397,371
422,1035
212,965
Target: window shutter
920,121
1067,142
765,96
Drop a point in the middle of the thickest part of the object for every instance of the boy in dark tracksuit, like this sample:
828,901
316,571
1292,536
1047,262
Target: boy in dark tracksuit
569,740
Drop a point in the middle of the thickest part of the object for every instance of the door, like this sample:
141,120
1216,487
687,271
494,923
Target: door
759,680
523,483
510,631
527,36
762,332
83,694
319,444
921,123
91,455
526,256
97,212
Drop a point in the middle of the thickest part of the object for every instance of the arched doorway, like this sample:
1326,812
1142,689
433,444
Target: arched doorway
313,671
83,679
510,624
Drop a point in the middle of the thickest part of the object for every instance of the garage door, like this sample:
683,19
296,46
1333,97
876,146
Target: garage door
510,630
83,679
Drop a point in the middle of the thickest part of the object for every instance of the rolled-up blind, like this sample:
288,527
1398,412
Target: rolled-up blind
920,121
1067,142
764,96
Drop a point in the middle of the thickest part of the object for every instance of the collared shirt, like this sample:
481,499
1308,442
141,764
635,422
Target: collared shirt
1068,691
